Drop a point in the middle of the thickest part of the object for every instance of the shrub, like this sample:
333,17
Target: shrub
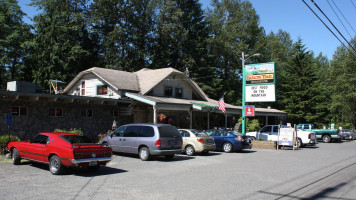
4,141
102,135
72,130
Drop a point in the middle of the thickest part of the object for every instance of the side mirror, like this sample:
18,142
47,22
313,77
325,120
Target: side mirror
29,141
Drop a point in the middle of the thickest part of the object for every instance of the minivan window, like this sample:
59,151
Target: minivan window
139,131
168,131
145,131
119,132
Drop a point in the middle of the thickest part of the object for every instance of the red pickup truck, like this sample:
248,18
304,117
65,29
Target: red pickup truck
60,150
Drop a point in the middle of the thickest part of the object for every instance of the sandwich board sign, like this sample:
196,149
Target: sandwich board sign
286,136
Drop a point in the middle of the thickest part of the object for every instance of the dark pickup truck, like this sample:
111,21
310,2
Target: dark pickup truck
326,135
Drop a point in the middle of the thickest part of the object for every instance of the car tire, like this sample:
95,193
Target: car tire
16,158
144,153
55,165
169,157
299,143
227,147
326,138
189,150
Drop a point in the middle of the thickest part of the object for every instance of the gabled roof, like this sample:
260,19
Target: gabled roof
149,78
119,80
141,81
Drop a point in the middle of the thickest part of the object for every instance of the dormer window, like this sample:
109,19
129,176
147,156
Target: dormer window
168,91
83,88
178,92
101,89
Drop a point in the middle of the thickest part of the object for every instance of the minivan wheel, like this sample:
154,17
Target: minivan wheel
144,153
227,146
189,150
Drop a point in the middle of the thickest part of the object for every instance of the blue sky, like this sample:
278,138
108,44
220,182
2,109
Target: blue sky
293,17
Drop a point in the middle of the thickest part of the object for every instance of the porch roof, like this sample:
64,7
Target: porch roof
169,103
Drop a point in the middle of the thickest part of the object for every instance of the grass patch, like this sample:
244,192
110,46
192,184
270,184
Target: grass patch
3,159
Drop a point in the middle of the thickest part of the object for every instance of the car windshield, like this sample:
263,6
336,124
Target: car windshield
76,139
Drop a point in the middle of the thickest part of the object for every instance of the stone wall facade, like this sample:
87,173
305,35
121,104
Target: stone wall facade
38,119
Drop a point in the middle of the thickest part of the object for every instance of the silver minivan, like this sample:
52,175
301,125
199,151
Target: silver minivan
146,140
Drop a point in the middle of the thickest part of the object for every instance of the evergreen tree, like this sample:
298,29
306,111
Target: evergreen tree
13,36
124,32
299,85
343,80
62,47
234,27
168,36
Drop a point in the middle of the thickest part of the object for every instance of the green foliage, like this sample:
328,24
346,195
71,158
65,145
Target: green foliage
72,130
342,82
4,141
13,36
251,125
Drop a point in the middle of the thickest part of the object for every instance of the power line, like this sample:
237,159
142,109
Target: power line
333,25
328,28
339,18
353,4
344,16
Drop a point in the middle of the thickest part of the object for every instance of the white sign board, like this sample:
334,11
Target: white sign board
286,136
260,93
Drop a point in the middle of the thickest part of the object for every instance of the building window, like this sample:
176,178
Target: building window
56,112
179,92
114,113
77,92
86,113
17,110
168,91
101,89
83,88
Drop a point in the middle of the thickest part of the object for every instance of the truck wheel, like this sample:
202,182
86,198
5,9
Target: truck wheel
299,143
326,138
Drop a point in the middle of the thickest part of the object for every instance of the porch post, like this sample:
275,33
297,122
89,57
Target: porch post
191,118
208,120
154,114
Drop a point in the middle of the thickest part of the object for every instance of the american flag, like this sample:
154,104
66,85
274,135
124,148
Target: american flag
222,104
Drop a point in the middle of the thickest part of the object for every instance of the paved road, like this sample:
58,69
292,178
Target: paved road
325,172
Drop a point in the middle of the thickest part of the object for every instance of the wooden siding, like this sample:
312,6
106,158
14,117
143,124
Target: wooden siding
91,82
174,81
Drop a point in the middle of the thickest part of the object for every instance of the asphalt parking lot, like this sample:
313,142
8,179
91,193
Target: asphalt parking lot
327,171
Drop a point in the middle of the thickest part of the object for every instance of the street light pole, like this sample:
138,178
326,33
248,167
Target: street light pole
243,89
243,94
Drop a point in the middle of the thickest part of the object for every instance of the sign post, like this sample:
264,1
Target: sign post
258,84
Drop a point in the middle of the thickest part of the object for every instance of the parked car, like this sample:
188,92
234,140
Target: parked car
326,135
270,133
229,141
348,135
196,142
146,140
60,150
